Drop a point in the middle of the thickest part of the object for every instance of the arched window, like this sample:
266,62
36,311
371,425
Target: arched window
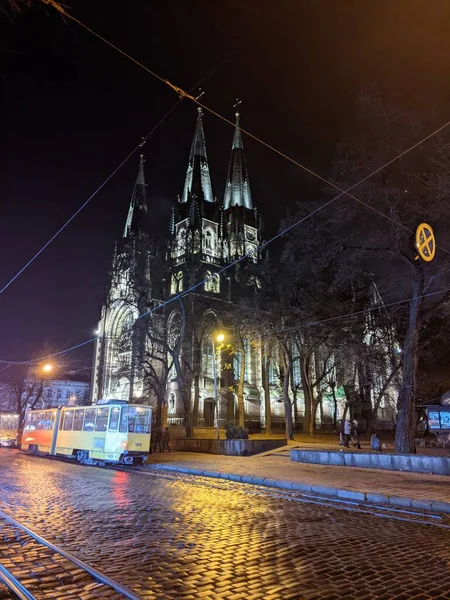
176,284
207,356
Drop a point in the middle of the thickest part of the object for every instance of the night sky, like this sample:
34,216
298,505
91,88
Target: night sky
72,109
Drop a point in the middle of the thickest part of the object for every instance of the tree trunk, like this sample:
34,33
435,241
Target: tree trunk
196,370
286,373
196,400
266,386
240,390
240,386
407,413
295,406
308,421
333,391
312,421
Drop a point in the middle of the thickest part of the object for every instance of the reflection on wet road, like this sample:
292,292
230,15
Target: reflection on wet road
189,538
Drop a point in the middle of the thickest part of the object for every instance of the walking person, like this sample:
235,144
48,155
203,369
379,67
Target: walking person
157,439
356,434
347,432
341,432
166,440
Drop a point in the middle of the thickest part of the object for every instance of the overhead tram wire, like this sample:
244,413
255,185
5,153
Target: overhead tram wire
143,140
360,312
86,202
183,94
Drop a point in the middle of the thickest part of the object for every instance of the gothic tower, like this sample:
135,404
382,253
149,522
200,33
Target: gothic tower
119,344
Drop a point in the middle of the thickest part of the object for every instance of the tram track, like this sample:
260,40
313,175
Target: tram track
415,516
33,568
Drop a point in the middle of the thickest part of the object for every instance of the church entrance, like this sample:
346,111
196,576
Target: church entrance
208,412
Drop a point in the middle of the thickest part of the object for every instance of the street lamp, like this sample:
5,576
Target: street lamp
47,368
218,337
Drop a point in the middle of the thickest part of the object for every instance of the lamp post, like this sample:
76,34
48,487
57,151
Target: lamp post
219,338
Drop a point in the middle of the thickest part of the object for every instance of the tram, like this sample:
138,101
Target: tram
9,429
111,431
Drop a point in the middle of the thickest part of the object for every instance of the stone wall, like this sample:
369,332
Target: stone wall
227,447
438,465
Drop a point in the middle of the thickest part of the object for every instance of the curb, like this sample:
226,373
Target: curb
369,497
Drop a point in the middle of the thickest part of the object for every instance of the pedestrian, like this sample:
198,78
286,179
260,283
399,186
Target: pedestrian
356,435
341,432
157,439
166,440
375,443
347,432
152,438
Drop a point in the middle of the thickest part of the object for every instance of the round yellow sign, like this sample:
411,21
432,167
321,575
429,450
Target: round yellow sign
425,242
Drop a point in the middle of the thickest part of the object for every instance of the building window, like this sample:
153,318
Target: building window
273,374
207,357
176,284
248,361
296,372
212,282
237,362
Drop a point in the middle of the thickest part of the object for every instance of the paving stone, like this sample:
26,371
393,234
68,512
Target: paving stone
176,536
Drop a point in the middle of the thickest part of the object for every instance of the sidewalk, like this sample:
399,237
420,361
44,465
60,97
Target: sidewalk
416,490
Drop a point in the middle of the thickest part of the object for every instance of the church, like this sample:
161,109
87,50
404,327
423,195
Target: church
170,301
172,332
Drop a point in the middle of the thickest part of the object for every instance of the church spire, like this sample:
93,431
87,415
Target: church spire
137,212
237,190
198,179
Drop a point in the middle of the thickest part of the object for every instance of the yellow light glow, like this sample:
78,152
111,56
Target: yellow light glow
47,368
220,337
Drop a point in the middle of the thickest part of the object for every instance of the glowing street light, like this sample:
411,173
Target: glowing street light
47,368
218,337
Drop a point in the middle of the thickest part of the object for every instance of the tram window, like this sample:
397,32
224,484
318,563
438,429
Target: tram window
89,420
138,420
114,418
40,421
49,419
68,420
102,419
9,422
78,420
33,420
123,427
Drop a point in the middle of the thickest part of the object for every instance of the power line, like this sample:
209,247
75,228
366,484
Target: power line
281,233
144,139
362,311
86,202
183,94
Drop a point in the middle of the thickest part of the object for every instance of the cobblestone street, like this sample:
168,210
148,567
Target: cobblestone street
177,536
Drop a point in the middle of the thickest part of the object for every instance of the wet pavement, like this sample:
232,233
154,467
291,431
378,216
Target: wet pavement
177,536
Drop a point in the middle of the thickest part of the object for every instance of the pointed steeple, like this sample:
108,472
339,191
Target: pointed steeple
237,190
198,179
137,212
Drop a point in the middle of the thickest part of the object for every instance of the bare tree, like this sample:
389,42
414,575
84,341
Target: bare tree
410,191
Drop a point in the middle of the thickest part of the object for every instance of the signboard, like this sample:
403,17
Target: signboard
445,420
433,419
425,242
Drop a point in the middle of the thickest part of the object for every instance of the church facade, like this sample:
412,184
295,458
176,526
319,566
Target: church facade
205,235
170,333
